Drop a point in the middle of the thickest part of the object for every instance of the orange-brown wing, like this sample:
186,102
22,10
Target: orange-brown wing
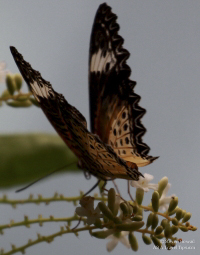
114,110
95,156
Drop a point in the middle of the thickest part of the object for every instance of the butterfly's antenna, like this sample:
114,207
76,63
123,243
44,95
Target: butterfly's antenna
58,169
96,184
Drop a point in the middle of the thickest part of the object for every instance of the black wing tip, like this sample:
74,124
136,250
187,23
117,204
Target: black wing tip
152,159
13,50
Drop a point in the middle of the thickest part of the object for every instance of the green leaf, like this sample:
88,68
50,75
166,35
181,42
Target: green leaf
27,157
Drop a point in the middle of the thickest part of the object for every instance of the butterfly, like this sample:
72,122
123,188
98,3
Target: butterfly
114,147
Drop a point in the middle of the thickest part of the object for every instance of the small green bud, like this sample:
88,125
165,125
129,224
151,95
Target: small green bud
155,201
17,104
149,220
159,230
21,98
103,234
162,185
18,81
146,239
186,217
105,210
111,199
183,213
155,221
135,209
183,228
137,218
179,213
105,219
173,212
124,208
173,204
164,222
140,211
139,195
130,208
117,220
174,229
5,94
101,186
10,83
175,221
130,226
156,242
167,231
133,241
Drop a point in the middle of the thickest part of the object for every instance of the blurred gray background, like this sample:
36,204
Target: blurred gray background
163,39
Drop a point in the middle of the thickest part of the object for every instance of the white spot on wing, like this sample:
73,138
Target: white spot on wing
98,61
39,91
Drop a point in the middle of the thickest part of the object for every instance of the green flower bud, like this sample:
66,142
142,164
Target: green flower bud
105,210
174,229
173,204
156,242
164,222
179,213
17,104
155,201
140,211
34,101
137,218
111,199
183,213
162,185
135,209
105,219
124,208
101,186
183,228
10,83
130,226
133,241
159,230
21,98
155,221
139,195
146,239
167,231
175,221
5,94
173,212
130,208
117,220
149,220
18,81
186,217
103,234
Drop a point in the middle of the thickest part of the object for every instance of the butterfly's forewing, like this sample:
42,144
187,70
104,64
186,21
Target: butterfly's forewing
95,156
115,113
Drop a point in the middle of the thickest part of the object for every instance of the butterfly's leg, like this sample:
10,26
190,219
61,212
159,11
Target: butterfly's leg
130,192
96,184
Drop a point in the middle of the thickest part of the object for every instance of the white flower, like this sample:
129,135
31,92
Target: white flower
3,72
115,238
164,200
87,210
144,184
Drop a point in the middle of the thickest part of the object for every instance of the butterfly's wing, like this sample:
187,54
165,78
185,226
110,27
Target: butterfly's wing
95,156
114,110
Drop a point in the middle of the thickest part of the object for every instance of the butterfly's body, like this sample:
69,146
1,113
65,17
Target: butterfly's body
114,149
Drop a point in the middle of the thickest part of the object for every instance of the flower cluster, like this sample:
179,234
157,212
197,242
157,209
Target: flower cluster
121,218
